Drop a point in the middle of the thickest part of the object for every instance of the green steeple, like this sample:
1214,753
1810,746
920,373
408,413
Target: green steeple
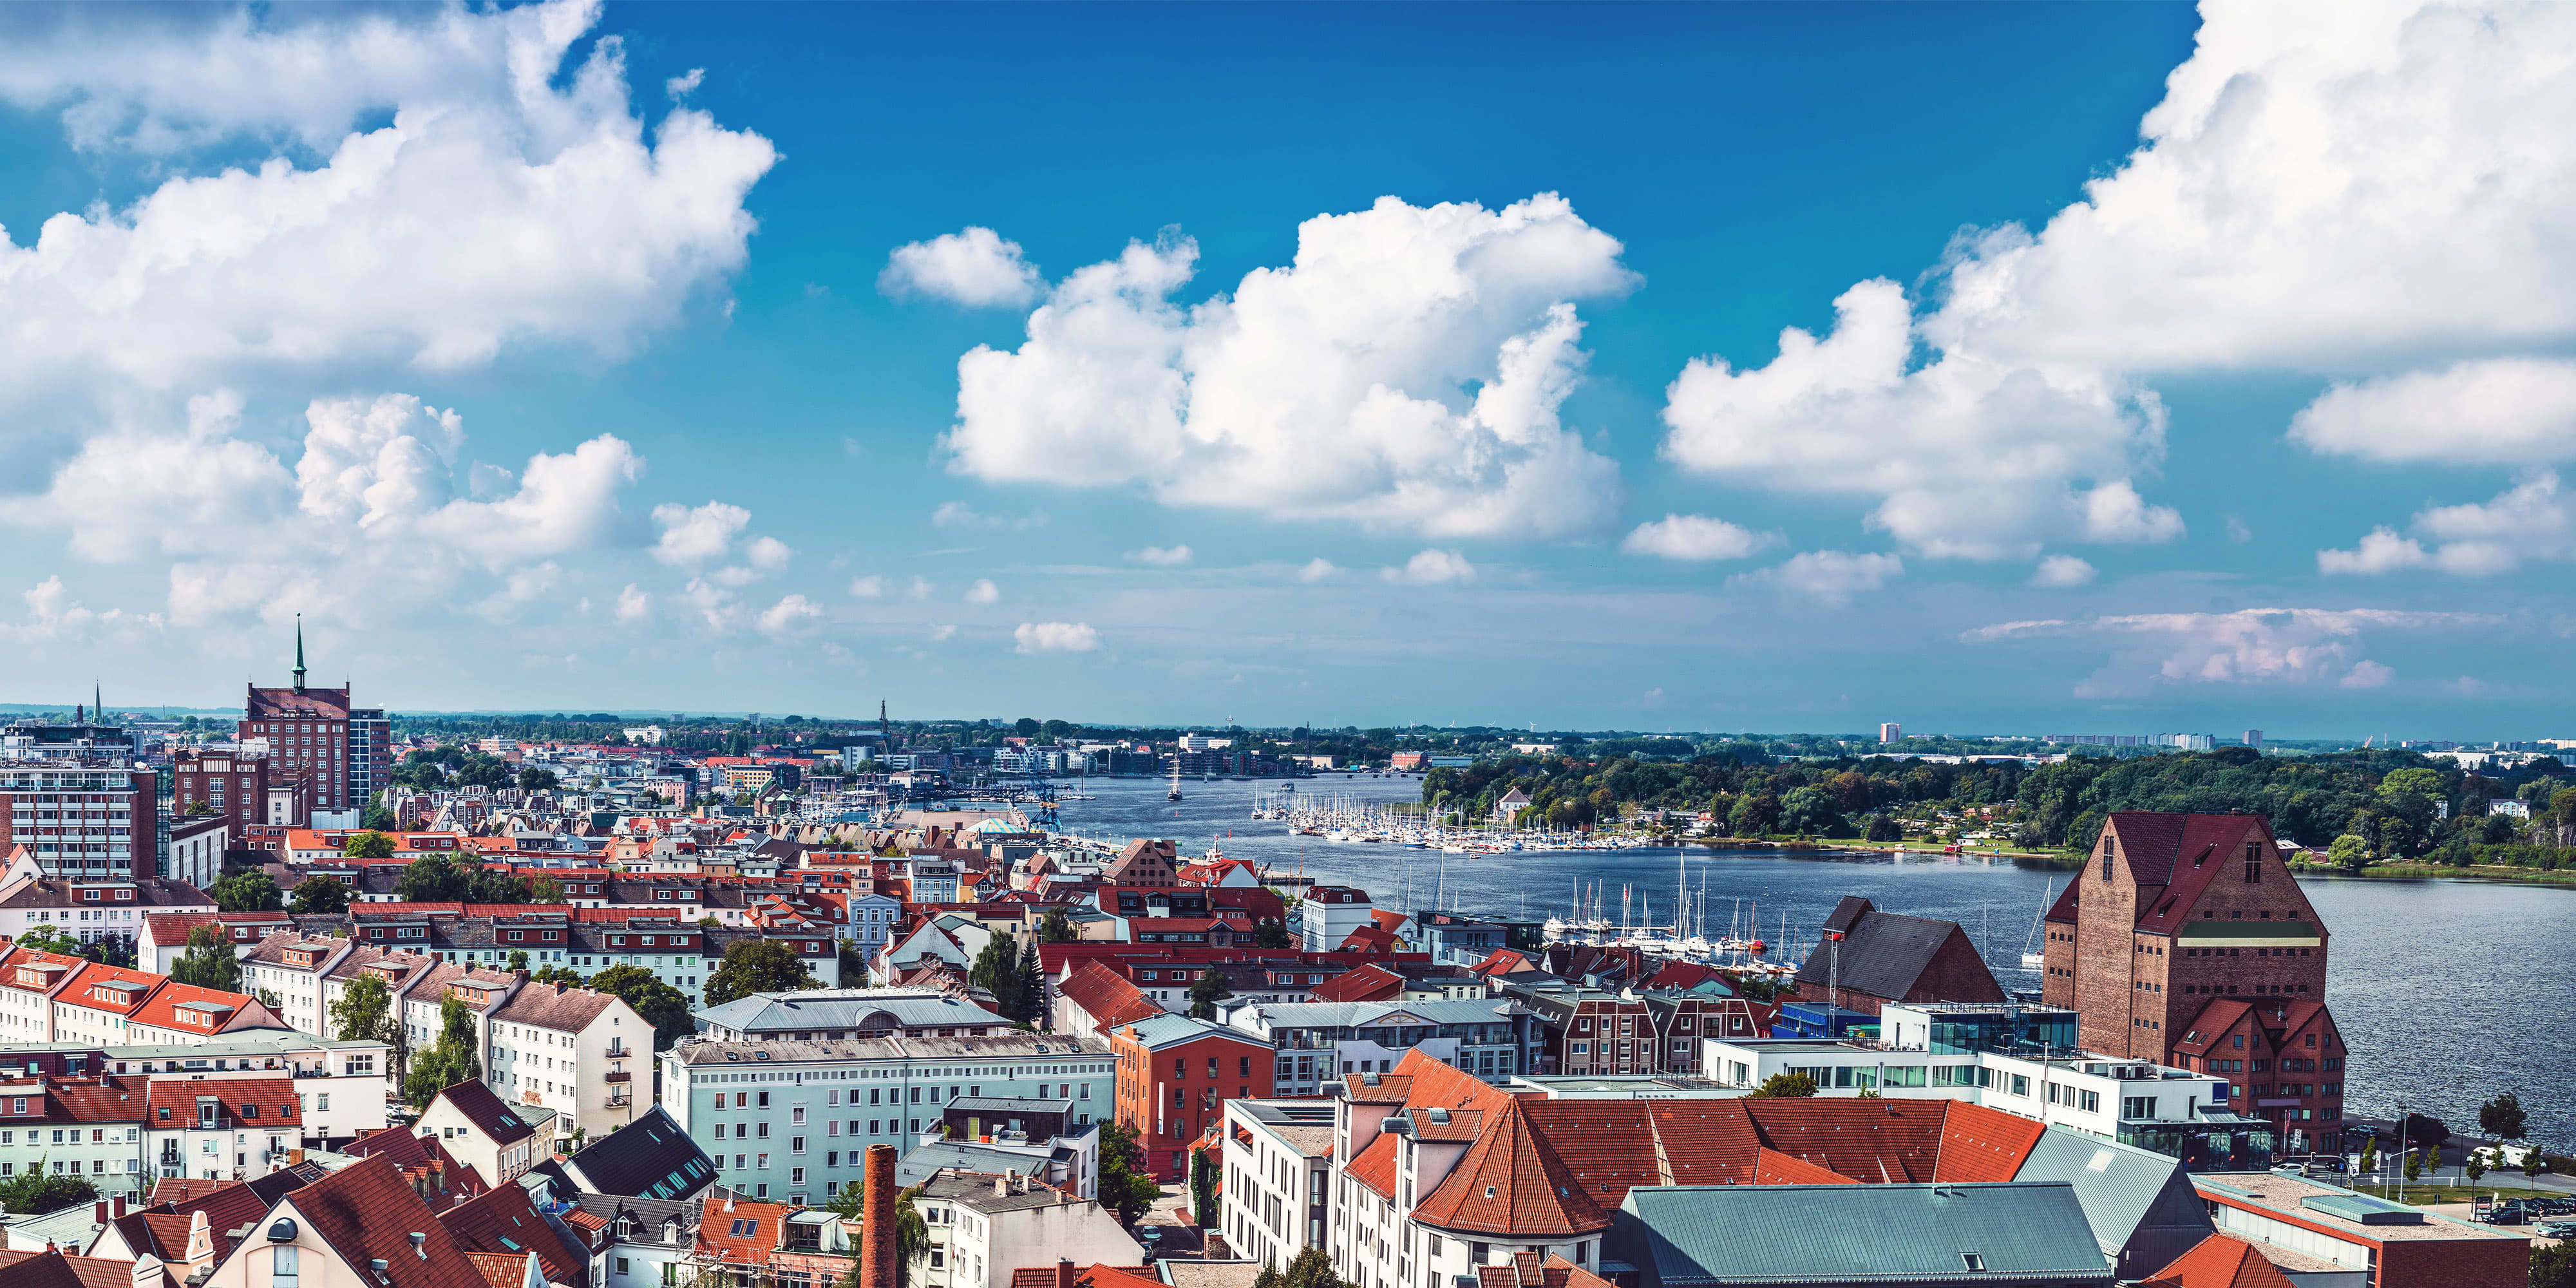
299,652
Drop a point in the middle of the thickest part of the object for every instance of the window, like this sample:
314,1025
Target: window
2254,863
281,1266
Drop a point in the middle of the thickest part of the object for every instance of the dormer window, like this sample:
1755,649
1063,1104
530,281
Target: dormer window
91,895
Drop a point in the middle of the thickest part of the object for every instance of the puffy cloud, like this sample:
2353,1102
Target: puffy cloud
509,198
871,586
681,86
768,554
1336,388
1317,569
1695,537
633,605
2532,520
1160,557
53,614
789,616
691,537
1966,457
2255,646
1055,637
2060,571
1831,576
983,592
2364,183
976,268
2500,411
2368,192
1430,568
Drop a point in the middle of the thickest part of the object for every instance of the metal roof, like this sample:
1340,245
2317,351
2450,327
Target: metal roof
2140,1203
2012,1232
1316,1015
848,1008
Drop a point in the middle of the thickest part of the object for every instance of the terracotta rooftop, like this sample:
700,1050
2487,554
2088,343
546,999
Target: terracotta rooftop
2219,1261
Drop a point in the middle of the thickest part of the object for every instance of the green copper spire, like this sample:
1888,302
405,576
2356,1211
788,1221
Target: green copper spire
299,652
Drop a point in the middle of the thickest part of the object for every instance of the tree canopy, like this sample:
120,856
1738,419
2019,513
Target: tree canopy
251,891
662,1006
321,894
451,1061
369,844
757,966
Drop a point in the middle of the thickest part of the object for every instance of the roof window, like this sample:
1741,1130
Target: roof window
1973,1261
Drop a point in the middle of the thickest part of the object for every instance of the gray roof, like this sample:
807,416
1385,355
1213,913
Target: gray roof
846,1008
2020,1233
1881,954
2140,1204
1009,1105
1316,1015
1008,1043
971,1165
1155,1032
648,1216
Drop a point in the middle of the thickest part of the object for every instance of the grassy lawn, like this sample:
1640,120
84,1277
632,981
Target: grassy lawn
2448,1190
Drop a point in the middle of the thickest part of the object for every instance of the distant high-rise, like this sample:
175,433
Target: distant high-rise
310,734
1890,731
2253,737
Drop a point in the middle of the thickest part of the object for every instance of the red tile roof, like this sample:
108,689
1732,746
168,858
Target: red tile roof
364,1211
191,1009
1510,1182
253,1102
1107,997
1095,1276
1369,983
1982,1144
739,1231
504,1221
1771,1167
1374,1166
2219,1261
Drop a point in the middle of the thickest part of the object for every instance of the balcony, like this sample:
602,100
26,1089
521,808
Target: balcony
619,1076
620,1099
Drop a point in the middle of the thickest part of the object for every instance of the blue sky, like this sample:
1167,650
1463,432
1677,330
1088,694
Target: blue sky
1442,377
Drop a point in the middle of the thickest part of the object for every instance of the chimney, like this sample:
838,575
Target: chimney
116,1206
877,1266
1001,1188
98,1211
1064,1272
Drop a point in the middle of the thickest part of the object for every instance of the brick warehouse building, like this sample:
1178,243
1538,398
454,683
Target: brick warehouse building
2186,940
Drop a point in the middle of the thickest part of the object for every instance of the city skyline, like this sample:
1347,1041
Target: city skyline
1612,368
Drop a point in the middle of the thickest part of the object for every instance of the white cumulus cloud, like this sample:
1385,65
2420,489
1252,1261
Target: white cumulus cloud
694,536
1336,388
1317,569
789,616
1695,537
1431,568
2061,571
2505,411
2153,652
633,605
1161,557
976,268
2532,520
1831,576
983,592
1055,637
871,586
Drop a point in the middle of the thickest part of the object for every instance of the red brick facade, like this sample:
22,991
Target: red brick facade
2186,940
1173,1093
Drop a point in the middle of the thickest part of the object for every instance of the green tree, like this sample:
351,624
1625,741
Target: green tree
564,975
252,891
450,1062
1032,986
911,1233
2552,1265
757,966
1786,1085
518,959
2414,1165
431,878
1203,1188
996,969
1270,932
2475,1166
1126,1186
1311,1269
364,1011
2349,852
321,894
2369,1154
1057,928
1754,815
209,962
1810,811
38,1191
1206,991
533,779
662,1006
2502,1117
51,939
369,844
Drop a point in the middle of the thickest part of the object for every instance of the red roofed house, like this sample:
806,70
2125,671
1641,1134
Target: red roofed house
336,1230
1095,999
2219,1262
221,1128
2186,940
1368,983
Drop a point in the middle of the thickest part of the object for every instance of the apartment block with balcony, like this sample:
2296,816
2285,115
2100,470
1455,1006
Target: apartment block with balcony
571,1050
90,1127
228,1129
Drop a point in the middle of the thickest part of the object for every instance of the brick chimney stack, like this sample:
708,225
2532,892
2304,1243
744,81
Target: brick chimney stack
877,1268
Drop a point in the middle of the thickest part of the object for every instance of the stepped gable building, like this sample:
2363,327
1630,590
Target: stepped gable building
2186,940
1867,958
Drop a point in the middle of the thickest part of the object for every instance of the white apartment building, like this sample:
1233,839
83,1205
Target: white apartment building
293,968
88,1127
479,1130
982,1227
195,857
90,910
1278,1177
221,1128
1969,1051
571,1050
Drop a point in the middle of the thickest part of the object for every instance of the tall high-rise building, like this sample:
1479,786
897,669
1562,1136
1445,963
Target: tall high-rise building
1890,731
2253,737
2186,940
308,732
83,821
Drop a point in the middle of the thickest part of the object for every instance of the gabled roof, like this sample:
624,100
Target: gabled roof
504,1221
252,1102
648,1158
739,1230
2018,1233
189,1008
1369,983
1883,954
487,1112
1374,1166
364,1212
1107,997
2182,852
2219,1261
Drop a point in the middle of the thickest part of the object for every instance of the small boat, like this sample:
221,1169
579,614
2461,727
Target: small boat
2031,960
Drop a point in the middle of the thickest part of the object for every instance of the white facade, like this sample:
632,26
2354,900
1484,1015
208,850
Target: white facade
1275,1201
196,853
2089,1093
577,1053
984,1227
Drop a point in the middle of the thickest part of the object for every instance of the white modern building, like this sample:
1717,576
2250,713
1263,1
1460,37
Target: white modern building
1278,1173
1318,1042
982,1227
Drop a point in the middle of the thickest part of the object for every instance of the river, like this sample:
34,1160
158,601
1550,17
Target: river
2443,988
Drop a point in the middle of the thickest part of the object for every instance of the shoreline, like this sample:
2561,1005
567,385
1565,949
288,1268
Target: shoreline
2492,874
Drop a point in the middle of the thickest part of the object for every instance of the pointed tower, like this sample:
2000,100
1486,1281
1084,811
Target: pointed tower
97,704
299,652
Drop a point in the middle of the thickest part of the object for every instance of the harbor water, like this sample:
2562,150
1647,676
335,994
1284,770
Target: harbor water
2448,992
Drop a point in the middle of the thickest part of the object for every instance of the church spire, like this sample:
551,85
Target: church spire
299,652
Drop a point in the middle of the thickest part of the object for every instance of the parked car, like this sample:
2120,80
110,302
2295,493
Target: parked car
2553,1207
2511,1213
2555,1229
